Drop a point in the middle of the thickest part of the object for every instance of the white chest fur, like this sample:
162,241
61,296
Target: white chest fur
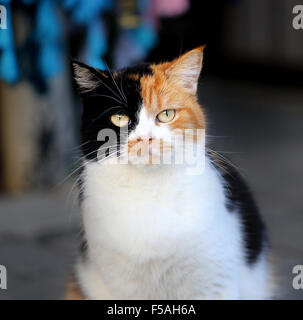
158,233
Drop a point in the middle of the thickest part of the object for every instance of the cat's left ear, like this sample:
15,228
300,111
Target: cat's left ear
185,70
87,78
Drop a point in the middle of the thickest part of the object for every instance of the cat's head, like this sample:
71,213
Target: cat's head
138,111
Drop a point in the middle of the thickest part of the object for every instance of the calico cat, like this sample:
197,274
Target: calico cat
154,231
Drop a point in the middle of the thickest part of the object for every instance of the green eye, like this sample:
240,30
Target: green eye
120,120
166,115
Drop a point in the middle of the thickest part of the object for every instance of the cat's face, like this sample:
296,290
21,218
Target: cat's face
138,112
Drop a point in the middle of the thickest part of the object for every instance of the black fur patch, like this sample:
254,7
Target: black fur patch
83,248
240,199
98,106
119,92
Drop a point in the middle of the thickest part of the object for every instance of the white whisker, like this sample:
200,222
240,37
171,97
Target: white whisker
122,96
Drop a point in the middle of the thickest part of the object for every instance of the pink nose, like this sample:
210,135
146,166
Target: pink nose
145,139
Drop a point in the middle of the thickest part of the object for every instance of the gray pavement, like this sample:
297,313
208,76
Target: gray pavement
38,244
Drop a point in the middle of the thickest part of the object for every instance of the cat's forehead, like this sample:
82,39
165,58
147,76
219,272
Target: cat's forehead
135,73
151,83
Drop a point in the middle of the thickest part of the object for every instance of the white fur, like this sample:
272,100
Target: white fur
155,232
147,128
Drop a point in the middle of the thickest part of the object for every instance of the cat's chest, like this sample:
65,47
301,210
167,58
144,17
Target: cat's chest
144,212
125,192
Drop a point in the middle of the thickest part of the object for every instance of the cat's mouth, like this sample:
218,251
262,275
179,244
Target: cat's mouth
151,151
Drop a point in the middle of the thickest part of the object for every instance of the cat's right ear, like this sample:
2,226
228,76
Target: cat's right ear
87,78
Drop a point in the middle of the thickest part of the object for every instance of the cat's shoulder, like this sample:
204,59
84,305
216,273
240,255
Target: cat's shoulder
239,200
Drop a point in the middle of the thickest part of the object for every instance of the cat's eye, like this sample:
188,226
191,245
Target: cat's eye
120,120
166,115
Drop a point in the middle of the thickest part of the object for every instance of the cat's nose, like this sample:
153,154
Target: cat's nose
148,139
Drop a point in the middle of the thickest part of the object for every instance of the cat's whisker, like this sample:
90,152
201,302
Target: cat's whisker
112,108
68,176
122,96
77,148
110,89
222,162
68,198
110,154
82,165
99,149
121,86
212,136
110,97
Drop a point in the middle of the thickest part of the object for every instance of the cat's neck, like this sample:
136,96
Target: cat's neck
148,204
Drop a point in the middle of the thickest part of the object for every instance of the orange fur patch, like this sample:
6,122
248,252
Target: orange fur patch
134,76
73,291
162,91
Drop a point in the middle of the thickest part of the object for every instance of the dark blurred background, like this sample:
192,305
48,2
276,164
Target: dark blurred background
251,88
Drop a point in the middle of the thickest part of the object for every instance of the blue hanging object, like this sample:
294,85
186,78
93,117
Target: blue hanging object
8,60
96,44
69,4
5,2
89,13
28,2
87,10
136,40
145,36
48,35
